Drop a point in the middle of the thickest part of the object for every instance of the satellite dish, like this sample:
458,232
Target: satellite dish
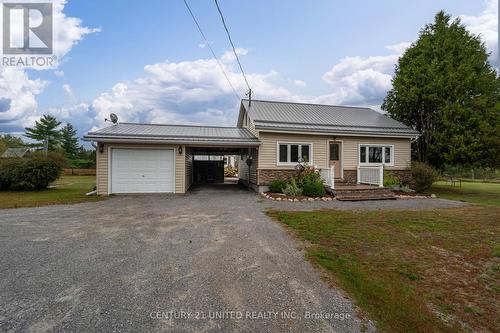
113,118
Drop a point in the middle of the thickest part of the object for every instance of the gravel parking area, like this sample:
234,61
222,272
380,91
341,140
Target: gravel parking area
118,264
206,259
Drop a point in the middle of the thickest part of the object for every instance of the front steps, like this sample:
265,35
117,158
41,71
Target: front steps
362,192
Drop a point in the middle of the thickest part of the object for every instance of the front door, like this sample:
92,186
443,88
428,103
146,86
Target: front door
335,158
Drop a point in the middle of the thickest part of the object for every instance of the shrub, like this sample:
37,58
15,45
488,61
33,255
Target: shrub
33,173
277,186
291,189
314,188
423,176
230,171
306,173
390,179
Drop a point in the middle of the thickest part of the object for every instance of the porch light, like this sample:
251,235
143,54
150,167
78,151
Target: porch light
179,150
101,148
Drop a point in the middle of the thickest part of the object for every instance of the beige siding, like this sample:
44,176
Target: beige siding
243,167
268,149
189,168
103,165
402,151
349,154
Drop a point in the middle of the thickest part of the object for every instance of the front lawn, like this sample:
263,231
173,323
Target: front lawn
426,271
69,189
480,193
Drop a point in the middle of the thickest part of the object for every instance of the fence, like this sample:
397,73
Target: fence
328,176
373,175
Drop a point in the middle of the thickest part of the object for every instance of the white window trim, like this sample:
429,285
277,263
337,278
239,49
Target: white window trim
289,151
383,154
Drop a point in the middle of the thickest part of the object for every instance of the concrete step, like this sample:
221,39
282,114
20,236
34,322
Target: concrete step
376,193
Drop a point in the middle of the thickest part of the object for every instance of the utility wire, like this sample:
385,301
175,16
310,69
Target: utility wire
232,45
211,50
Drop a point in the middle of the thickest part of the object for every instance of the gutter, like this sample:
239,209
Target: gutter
166,141
330,132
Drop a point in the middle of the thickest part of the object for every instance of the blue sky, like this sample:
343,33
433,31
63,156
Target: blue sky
147,62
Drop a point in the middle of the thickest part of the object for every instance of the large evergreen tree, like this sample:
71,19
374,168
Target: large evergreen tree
69,141
445,88
47,128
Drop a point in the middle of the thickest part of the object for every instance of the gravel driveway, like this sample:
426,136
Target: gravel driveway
194,263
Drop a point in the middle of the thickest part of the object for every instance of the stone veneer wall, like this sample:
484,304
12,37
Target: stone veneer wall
265,176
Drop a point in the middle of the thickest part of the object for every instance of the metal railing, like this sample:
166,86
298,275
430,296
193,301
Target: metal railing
328,176
372,174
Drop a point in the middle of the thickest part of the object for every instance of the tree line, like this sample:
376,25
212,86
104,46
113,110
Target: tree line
48,134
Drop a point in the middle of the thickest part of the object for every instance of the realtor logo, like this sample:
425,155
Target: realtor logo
27,28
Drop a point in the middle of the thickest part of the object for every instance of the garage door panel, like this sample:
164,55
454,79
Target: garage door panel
142,170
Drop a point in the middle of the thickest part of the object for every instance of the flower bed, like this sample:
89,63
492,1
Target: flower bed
298,198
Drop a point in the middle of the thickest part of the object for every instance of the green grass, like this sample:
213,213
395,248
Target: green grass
479,193
403,268
68,190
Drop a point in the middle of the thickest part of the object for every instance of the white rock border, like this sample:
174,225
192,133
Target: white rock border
310,199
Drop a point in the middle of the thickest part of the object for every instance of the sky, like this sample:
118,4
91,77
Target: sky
147,62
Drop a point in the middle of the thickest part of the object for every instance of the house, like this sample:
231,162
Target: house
16,152
349,144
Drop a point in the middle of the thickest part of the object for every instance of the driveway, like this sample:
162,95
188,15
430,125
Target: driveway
206,262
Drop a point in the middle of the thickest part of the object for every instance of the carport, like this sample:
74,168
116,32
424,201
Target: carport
150,158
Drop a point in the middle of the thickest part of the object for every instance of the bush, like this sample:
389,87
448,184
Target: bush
33,173
314,188
277,186
423,176
291,189
230,171
390,179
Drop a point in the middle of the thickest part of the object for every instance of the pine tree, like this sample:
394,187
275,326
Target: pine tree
45,129
69,141
445,88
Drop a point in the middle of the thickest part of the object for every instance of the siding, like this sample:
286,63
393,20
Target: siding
349,153
243,168
189,168
103,165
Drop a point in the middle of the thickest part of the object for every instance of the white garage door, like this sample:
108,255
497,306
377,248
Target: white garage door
142,170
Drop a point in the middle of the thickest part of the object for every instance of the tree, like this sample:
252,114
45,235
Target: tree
46,129
445,88
69,141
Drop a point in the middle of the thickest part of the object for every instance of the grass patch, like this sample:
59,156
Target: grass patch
428,271
68,190
479,193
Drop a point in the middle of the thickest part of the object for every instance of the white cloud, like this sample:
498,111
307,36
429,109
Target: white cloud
299,83
192,92
17,87
67,88
20,92
486,26
228,56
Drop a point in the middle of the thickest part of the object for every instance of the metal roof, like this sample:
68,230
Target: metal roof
15,152
173,134
288,116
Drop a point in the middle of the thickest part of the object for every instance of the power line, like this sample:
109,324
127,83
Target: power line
232,45
211,50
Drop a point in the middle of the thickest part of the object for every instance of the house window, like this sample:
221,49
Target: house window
376,154
292,153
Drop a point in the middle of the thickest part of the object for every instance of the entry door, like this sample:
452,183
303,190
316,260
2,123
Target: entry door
142,170
335,158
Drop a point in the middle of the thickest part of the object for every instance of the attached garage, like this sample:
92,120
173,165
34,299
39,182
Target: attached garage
142,170
149,158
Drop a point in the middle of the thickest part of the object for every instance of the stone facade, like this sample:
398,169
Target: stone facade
265,176
350,176
404,176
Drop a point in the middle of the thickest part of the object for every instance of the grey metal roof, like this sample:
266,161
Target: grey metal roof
15,152
323,118
173,133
